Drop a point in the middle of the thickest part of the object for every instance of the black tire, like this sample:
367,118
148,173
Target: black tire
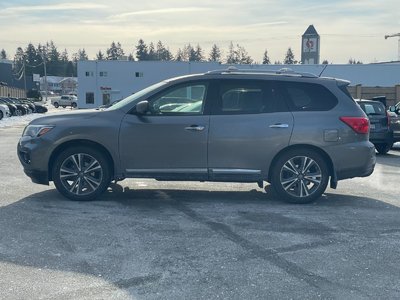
1,115
383,148
56,105
63,106
74,105
75,182
300,176
19,112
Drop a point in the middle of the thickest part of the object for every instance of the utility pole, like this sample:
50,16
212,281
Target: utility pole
395,35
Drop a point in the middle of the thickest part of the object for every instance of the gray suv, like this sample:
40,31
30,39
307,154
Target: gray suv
294,130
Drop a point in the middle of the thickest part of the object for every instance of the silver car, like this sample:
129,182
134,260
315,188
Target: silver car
294,130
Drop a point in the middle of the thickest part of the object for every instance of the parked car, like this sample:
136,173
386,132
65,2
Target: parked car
11,106
395,121
294,130
22,109
64,101
381,135
4,111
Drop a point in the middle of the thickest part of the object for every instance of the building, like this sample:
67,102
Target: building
60,85
310,46
102,82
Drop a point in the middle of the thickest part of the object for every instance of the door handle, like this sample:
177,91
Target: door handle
279,125
195,128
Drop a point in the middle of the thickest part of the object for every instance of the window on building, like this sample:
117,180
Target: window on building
90,98
87,74
138,74
103,74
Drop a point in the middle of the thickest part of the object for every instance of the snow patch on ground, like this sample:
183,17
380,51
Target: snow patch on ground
24,120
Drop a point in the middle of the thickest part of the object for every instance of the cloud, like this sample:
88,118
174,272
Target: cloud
160,11
53,7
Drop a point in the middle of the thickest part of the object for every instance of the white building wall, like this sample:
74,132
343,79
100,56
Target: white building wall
121,80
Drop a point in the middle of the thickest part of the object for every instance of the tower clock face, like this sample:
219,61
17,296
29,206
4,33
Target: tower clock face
310,45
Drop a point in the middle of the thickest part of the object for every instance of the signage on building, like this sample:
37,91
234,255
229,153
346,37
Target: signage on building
36,77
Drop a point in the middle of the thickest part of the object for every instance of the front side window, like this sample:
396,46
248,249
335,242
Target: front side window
184,99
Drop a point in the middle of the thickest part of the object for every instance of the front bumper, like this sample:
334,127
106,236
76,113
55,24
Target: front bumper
33,155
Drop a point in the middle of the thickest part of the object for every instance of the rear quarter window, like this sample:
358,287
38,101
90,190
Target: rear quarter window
308,96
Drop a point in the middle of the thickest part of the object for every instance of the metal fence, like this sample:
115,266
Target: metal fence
392,94
6,91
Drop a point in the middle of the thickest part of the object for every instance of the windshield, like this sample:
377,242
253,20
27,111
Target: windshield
134,97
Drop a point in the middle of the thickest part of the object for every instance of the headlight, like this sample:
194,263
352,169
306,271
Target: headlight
37,130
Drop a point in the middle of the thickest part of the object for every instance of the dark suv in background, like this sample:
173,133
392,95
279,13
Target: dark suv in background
381,133
294,130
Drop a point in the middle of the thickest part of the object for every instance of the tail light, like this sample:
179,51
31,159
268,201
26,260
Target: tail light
358,124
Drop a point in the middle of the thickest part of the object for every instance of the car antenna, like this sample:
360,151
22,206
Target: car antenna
322,70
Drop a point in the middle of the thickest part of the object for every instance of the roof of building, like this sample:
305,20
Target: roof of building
311,31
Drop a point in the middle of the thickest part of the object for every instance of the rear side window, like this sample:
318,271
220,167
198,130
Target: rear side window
246,97
308,96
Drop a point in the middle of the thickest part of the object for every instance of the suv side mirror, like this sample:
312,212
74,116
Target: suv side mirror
142,107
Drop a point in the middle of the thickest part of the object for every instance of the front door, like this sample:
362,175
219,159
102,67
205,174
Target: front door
170,141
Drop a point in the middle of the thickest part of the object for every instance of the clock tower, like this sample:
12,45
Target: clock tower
310,41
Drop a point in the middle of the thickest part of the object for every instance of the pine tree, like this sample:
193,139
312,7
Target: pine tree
64,56
162,53
80,55
198,53
189,53
238,55
179,55
242,56
19,61
141,50
152,52
289,58
115,51
266,60
215,54
231,58
100,55
3,54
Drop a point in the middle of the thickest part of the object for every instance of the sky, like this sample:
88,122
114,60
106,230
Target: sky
348,29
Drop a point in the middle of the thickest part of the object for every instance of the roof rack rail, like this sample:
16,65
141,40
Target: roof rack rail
283,71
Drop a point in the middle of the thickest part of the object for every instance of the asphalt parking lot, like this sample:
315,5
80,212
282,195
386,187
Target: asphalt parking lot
151,240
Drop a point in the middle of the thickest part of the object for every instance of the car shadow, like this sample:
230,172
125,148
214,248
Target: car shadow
131,237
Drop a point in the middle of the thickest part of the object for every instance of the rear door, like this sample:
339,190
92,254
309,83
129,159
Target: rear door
249,125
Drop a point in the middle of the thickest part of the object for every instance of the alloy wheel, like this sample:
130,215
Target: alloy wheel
300,176
81,174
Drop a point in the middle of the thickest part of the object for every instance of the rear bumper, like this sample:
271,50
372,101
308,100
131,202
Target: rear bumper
356,160
381,137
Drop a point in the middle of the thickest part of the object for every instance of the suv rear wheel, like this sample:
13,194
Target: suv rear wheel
383,148
81,173
300,176
56,105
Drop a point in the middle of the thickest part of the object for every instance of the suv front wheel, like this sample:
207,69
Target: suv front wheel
300,176
81,173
